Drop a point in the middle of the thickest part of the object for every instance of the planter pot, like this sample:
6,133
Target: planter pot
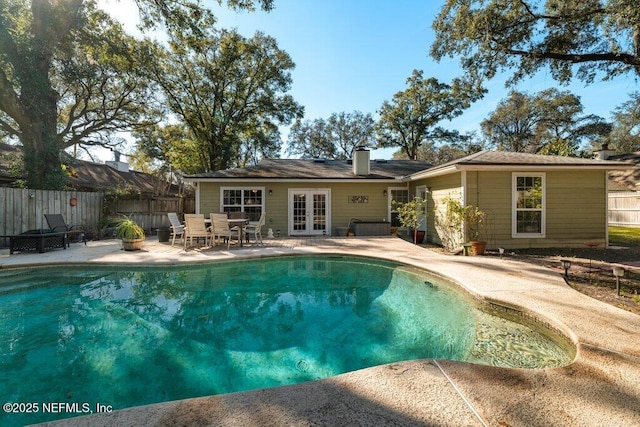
164,234
418,236
477,248
132,244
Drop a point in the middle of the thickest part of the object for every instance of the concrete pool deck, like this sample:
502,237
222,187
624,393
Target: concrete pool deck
601,387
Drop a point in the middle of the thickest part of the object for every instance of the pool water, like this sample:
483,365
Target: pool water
122,337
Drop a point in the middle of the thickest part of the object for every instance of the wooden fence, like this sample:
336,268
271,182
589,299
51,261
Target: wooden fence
624,208
151,214
24,209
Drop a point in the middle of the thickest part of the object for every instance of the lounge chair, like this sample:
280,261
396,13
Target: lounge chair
177,228
194,227
255,228
57,224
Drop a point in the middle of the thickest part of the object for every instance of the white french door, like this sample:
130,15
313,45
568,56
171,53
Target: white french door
309,212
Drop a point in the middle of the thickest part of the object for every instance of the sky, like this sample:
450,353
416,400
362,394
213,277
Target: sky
352,55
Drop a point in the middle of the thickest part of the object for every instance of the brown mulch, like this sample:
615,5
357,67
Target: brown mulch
590,272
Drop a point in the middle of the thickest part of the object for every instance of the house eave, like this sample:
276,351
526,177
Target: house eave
288,180
511,167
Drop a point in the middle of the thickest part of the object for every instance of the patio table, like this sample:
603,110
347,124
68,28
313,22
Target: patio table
238,222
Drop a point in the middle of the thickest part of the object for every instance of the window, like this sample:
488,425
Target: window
396,195
240,199
528,205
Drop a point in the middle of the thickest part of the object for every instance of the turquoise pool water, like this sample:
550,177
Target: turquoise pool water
76,340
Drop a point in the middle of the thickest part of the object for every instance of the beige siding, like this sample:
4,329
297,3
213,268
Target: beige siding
438,188
575,208
276,203
575,204
491,191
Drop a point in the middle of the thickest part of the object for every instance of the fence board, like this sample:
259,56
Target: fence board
624,209
24,209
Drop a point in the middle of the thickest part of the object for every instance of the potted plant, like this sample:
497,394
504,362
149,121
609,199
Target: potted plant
475,220
131,234
409,216
462,222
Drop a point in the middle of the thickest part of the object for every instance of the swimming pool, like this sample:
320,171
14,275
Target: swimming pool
120,337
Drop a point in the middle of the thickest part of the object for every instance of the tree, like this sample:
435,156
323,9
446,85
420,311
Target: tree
68,76
599,38
350,130
410,120
625,135
334,138
443,153
228,90
549,122
310,139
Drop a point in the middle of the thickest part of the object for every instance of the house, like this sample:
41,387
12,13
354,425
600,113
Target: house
530,200
90,176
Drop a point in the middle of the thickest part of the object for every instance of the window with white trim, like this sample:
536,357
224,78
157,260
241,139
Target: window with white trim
528,204
243,199
397,195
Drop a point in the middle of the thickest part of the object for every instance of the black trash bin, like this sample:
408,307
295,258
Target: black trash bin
164,234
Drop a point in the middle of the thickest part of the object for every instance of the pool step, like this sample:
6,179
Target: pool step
19,279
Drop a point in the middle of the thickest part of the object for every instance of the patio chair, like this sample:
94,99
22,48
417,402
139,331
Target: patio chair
194,227
57,224
220,228
255,228
177,228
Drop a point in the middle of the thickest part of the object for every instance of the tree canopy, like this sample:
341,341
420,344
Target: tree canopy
67,76
410,120
601,38
70,75
229,91
625,135
549,122
333,138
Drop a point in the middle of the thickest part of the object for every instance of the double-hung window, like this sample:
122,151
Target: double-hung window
397,195
243,199
528,205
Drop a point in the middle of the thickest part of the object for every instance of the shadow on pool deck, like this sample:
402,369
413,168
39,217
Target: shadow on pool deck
599,388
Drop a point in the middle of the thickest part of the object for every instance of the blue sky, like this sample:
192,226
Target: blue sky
355,54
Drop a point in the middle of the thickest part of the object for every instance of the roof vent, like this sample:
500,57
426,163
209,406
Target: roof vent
319,160
382,161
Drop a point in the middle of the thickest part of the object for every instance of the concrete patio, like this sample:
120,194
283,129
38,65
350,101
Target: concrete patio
600,388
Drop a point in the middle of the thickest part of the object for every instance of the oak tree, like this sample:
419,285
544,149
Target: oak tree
585,38
411,119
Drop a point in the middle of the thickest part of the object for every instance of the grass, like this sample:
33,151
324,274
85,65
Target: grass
624,236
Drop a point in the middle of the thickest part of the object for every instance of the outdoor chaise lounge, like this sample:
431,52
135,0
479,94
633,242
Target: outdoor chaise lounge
57,224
